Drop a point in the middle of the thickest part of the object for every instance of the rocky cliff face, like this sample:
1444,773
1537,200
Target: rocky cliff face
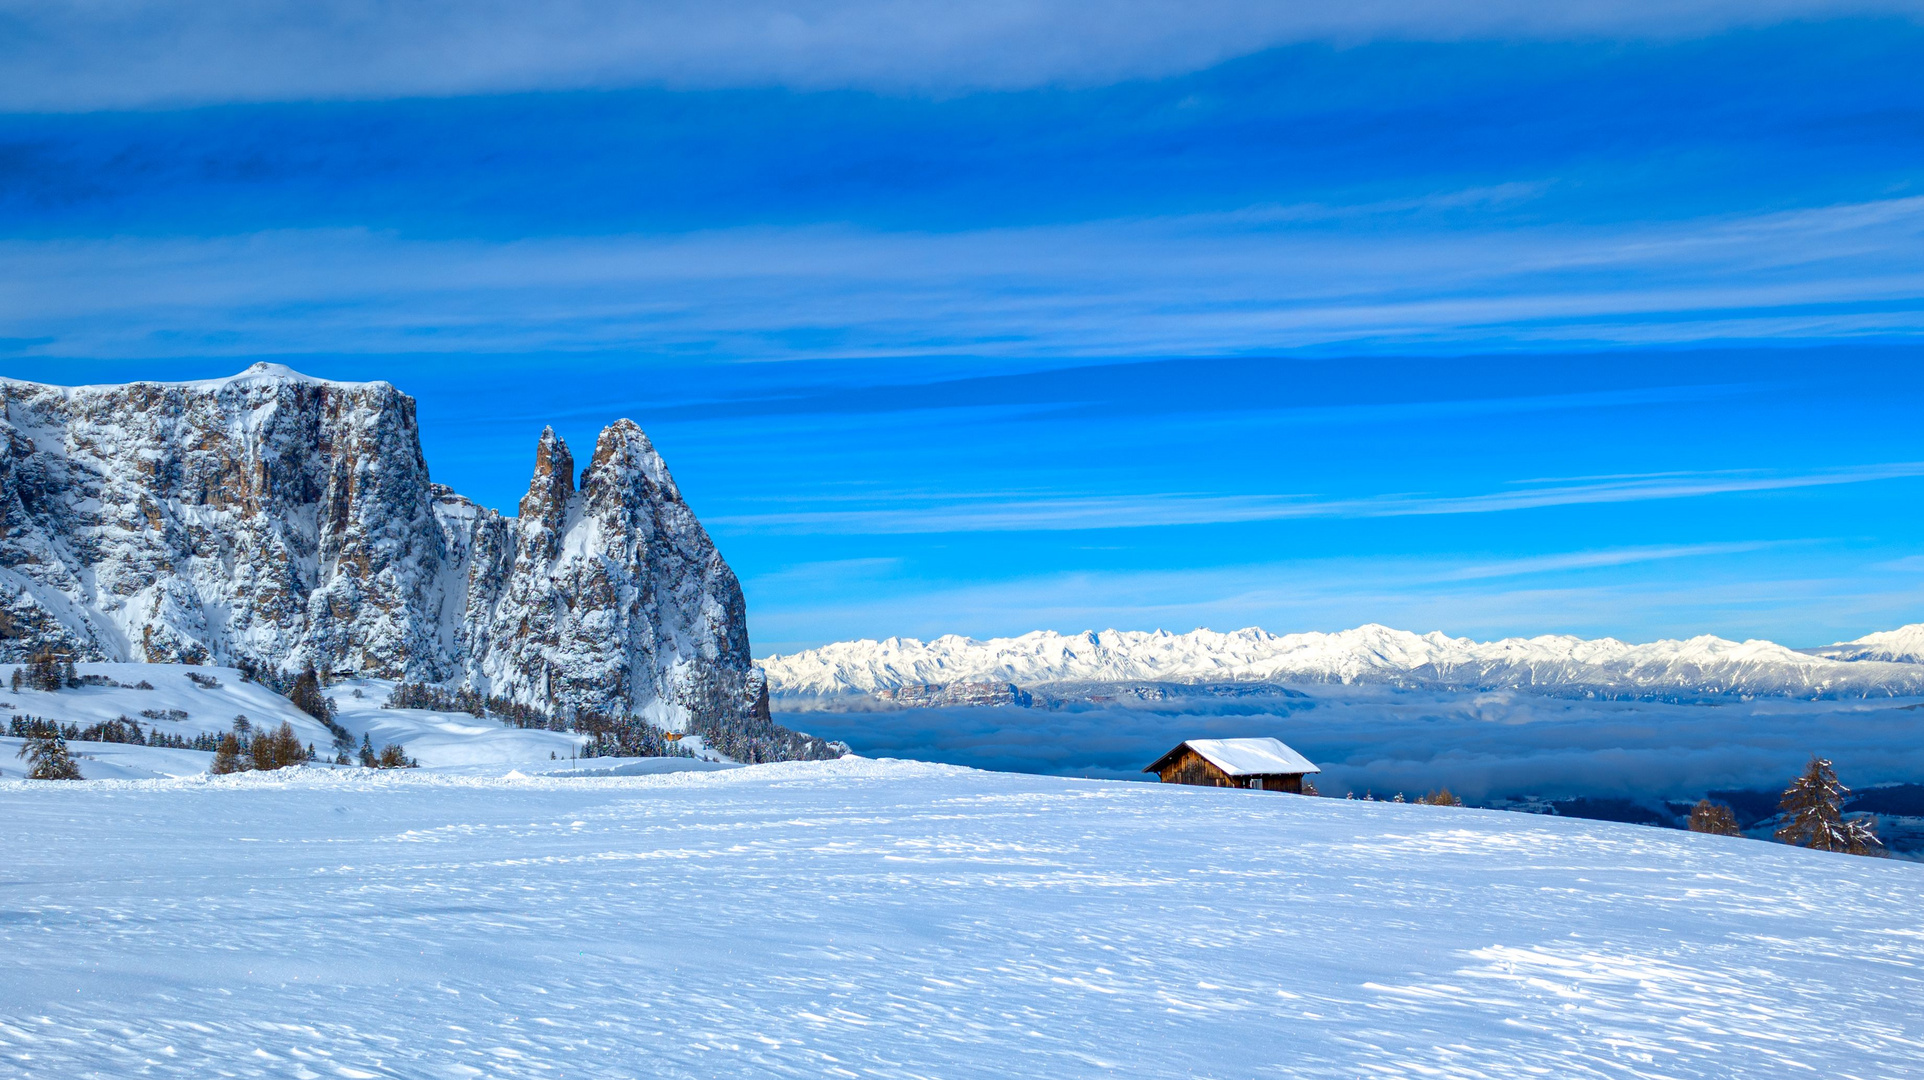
285,521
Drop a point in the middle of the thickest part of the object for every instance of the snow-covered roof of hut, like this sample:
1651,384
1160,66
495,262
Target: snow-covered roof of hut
1245,757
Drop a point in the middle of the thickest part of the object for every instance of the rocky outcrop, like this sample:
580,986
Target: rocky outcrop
284,521
603,597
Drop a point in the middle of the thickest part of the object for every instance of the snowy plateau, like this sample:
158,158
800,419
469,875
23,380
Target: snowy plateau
891,919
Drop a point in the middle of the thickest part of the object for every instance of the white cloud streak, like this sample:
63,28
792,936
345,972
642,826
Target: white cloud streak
992,512
1201,286
62,54
1739,590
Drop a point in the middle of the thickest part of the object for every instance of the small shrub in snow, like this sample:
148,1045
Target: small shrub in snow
1440,797
175,715
1714,818
205,682
394,756
47,759
142,685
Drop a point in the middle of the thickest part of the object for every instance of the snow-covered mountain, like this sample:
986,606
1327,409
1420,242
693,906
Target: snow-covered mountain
280,520
1560,663
1904,645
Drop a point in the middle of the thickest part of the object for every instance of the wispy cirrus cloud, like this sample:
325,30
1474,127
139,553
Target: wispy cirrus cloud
1122,287
1738,589
58,55
964,512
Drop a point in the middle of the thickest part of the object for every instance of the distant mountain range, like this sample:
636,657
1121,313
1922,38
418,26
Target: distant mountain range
1045,667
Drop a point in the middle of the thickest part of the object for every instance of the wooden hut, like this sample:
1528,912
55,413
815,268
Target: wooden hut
1263,764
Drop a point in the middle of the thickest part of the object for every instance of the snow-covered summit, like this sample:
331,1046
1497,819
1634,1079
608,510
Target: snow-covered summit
1704,665
1904,645
263,372
279,520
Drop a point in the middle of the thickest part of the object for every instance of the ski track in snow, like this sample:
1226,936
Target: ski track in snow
887,919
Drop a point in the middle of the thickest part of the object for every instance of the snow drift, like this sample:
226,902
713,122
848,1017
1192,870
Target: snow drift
895,920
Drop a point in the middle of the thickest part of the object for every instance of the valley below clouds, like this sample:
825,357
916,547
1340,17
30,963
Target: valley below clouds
1487,746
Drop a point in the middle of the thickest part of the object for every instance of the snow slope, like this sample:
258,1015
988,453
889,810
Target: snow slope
434,739
862,918
1701,665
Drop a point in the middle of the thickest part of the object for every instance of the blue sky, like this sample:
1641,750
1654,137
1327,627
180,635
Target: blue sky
1483,317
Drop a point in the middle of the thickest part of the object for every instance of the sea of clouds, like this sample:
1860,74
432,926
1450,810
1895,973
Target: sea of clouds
1487,747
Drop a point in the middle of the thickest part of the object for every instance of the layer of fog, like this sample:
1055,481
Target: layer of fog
1486,746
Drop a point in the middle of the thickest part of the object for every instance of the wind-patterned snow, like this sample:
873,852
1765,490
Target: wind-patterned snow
883,919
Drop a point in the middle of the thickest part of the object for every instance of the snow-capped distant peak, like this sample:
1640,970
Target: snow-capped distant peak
1703,665
1904,645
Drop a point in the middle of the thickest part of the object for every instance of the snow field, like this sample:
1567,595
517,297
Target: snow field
435,739
889,919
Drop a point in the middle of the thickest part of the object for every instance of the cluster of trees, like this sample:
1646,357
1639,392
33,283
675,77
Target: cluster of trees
119,730
392,756
243,749
46,671
206,742
467,700
760,739
1812,810
1439,797
627,736
39,727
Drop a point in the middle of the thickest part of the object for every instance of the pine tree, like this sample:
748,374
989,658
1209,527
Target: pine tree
1813,807
1860,837
367,752
43,672
19,677
47,758
227,757
307,696
69,675
1714,818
